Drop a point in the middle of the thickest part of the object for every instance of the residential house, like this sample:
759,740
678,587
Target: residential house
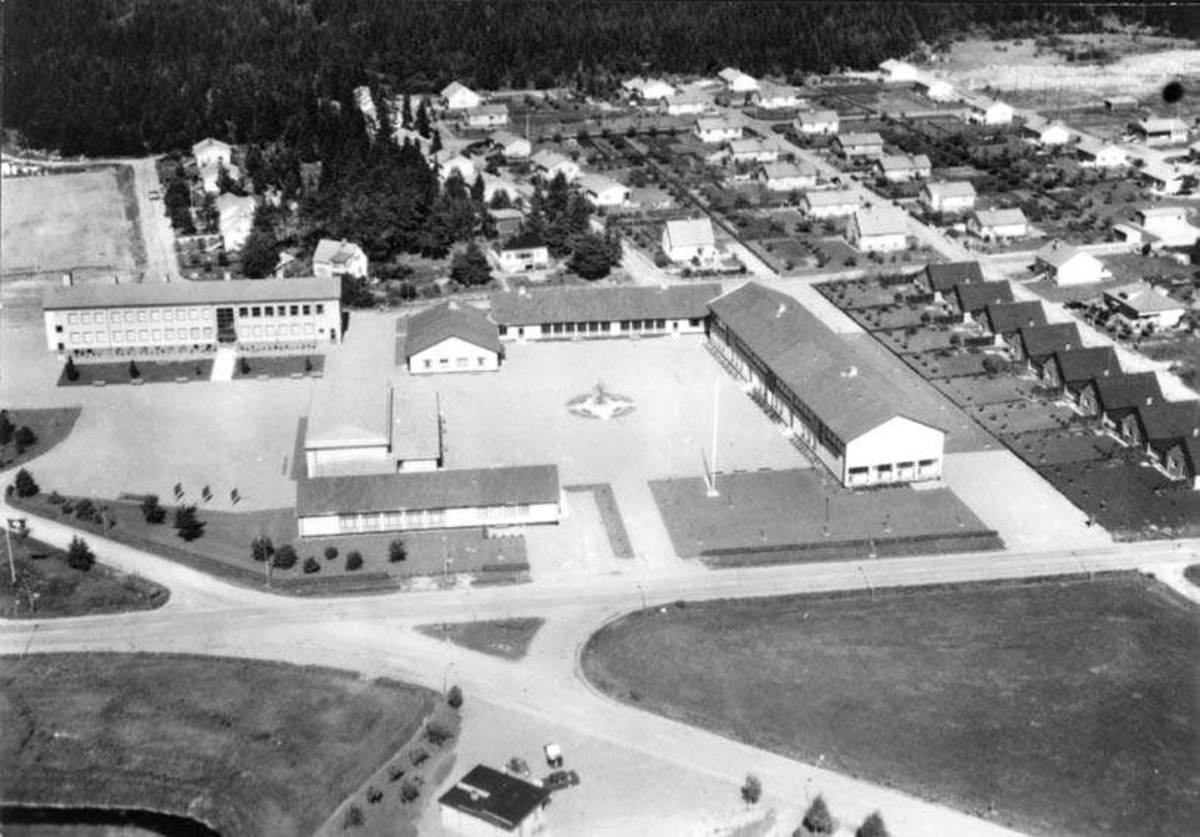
210,176
1162,131
1036,345
494,184
689,240
866,145
816,122
456,96
1046,133
951,198
682,104
753,150
1162,427
901,168
235,219
448,162
894,70
1143,306
489,803
451,337
522,253
1181,460
998,224
486,116
1067,265
941,278
550,164
1005,319
787,177
513,147
716,130
991,113
738,82
1168,224
878,229
211,153
1120,103
649,89
831,203
602,191
1100,155
775,96
339,258
973,298
1116,396
937,89
508,221
1071,371
1163,179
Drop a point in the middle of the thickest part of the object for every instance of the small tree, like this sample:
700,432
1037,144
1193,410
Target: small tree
244,365
187,524
470,267
134,372
751,789
397,551
79,555
25,485
86,510
817,820
330,553
454,697
354,817
70,371
311,565
261,548
354,561
152,512
872,827
25,438
285,557
7,428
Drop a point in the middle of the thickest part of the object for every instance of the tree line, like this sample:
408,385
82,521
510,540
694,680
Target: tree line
109,77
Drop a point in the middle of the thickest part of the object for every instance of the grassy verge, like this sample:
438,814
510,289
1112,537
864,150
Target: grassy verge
149,372
279,366
1052,703
50,426
506,638
247,747
1192,574
47,587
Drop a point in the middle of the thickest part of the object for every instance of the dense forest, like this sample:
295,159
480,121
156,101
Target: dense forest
129,76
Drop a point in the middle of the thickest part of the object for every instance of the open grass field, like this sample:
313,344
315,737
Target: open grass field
506,638
50,426
47,587
1065,708
773,509
247,747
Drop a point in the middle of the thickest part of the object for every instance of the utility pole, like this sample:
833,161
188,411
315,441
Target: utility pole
712,479
12,567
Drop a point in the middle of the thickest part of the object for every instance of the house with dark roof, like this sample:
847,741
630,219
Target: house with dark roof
1115,396
1004,319
1072,370
569,313
451,337
827,396
1144,306
853,145
1037,344
489,803
1165,428
453,499
940,278
522,253
1181,461
973,297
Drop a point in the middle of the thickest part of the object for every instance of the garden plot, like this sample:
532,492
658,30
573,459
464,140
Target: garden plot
949,363
1023,416
1050,447
913,340
1131,500
986,389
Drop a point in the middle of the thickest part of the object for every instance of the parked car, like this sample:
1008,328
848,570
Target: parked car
560,780
554,755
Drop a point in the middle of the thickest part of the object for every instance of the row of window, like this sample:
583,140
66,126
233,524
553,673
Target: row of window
141,335
140,315
459,362
422,518
889,471
603,326
279,310
282,330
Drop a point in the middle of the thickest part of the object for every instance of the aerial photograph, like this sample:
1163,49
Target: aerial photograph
599,418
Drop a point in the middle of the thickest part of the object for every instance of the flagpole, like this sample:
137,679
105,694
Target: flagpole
712,482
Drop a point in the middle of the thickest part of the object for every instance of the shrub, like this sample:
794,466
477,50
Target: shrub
395,773
872,827
71,373
261,548
285,557
85,509
418,756
454,697
244,365
25,439
437,733
152,512
354,817
187,524
330,553
25,485
751,789
56,499
397,551
817,820
79,555
374,794
134,372
354,561
311,565
409,791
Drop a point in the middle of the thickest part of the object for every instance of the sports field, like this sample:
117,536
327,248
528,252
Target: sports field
1062,709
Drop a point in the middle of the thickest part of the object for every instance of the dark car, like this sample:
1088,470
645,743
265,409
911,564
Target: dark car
560,779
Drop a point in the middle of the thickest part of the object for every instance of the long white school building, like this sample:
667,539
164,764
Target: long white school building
189,317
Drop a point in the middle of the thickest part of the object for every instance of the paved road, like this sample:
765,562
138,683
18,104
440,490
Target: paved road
157,235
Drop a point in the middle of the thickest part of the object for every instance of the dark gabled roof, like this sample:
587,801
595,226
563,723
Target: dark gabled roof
1122,392
184,292
497,798
943,277
1164,421
975,296
1078,366
527,240
469,488
1040,341
590,304
450,319
1191,452
1010,316
848,394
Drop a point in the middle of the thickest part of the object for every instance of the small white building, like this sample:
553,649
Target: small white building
830,203
235,219
738,82
894,70
522,253
878,230
1162,131
210,176
787,177
339,258
937,89
689,239
602,191
451,337
682,104
753,150
486,116
991,113
1067,265
550,164
359,427
715,130
998,224
902,168
776,96
1169,224
1163,179
456,96
857,145
488,803
649,89
816,122
211,153
1100,155
1142,305
952,197
448,162
1046,134
510,145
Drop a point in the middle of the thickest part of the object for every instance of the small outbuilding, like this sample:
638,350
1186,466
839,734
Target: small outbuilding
452,337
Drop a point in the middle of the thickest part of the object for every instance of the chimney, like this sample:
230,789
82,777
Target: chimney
228,276
67,280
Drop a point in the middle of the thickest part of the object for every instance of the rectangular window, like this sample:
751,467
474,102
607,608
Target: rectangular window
195,333
295,329
481,360
269,311
307,310
114,316
141,316
73,319
445,361
270,330
58,329
347,523
661,323
461,362
207,332
156,335
155,316
87,338
193,314
694,321
129,316
168,315
181,314
309,329
320,308
102,337
428,363
294,310
243,311
129,336
85,318
170,334
503,329
143,335
206,314
255,311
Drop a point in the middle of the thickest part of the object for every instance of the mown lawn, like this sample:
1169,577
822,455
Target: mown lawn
50,426
1069,707
506,638
248,747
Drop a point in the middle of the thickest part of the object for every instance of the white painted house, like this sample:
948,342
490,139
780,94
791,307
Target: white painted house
894,70
1163,179
855,145
210,153
1067,265
998,224
1100,155
1143,304
448,162
738,82
486,116
878,230
602,191
776,96
550,164
830,203
522,253
787,177
457,96
689,239
902,168
1162,131
235,219
683,104
753,150
817,122
937,89
716,130
513,147
339,258
451,338
991,113
952,197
